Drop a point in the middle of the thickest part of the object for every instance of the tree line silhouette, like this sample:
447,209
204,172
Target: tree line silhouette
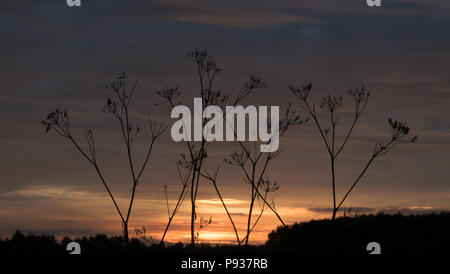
397,234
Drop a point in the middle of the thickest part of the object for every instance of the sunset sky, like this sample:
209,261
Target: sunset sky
55,56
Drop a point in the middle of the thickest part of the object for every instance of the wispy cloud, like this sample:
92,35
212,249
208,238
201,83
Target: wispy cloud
386,210
246,19
50,192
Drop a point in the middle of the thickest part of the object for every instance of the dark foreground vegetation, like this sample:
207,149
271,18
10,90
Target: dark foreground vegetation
397,234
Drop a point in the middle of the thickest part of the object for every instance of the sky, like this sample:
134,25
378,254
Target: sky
56,56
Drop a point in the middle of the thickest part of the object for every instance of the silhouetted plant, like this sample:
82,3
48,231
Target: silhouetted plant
183,193
349,212
254,166
213,180
207,72
58,121
330,105
203,223
141,234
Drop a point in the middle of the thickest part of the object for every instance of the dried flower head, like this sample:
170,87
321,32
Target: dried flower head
330,103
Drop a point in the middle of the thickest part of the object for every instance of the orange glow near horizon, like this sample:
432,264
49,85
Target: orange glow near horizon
220,231
77,213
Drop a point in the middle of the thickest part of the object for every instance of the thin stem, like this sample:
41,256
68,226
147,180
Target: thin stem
214,182
99,174
333,180
348,136
178,205
356,181
316,120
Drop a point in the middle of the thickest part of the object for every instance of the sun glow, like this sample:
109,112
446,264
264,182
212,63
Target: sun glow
227,201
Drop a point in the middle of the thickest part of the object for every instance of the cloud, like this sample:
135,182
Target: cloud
246,19
353,209
50,192
386,210
228,201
